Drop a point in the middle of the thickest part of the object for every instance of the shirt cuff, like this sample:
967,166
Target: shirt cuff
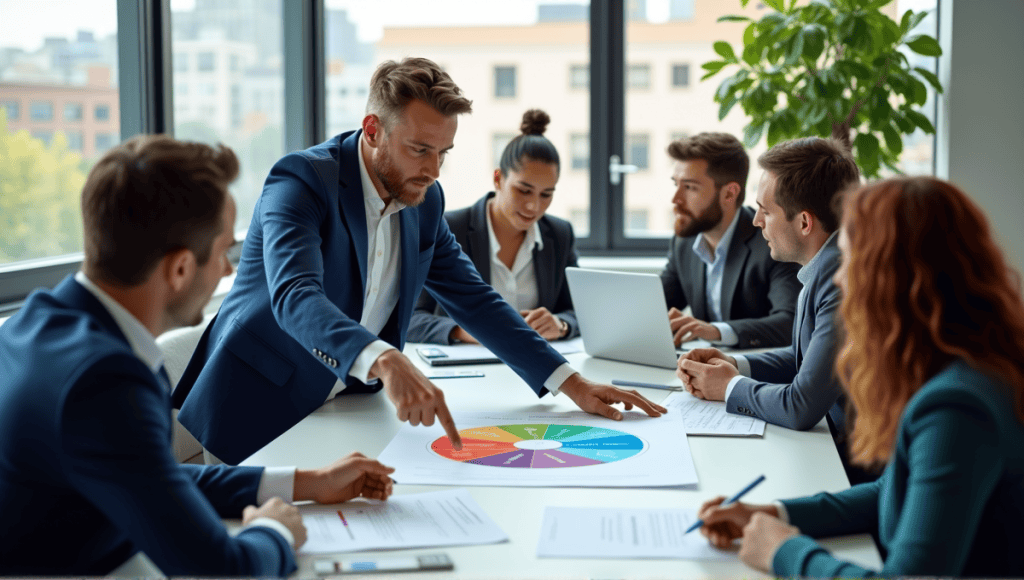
561,374
274,525
732,383
276,482
361,368
742,364
729,336
783,514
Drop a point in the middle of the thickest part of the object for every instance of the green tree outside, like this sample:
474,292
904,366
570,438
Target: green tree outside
40,189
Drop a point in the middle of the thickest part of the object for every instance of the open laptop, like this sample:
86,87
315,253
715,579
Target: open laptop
622,316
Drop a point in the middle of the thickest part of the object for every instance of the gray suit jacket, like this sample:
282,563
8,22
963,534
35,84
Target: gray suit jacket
796,386
430,323
758,293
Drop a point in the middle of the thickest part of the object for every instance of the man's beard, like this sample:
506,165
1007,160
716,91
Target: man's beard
394,186
707,220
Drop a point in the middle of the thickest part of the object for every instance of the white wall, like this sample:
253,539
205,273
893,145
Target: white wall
981,122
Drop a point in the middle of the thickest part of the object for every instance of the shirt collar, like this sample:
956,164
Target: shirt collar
532,235
808,272
700,244
139,338
371,197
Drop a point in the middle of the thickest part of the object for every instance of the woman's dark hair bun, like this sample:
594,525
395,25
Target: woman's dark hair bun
535,122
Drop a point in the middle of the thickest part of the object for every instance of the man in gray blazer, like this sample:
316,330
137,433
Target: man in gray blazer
717,264
796,386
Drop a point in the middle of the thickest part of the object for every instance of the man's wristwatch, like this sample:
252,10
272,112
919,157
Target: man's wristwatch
564,329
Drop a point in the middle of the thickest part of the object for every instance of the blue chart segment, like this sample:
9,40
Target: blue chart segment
540,446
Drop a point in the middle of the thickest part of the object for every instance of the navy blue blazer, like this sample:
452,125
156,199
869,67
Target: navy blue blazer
87,478
950,501
430,323
758,293
289,327
796,386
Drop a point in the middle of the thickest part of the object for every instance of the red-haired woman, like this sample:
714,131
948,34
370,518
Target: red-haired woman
934,365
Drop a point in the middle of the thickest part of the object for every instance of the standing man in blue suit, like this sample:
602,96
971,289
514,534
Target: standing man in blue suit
87,478
718,265
796,386
342,240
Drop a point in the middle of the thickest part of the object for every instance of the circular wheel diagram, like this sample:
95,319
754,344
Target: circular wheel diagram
540,446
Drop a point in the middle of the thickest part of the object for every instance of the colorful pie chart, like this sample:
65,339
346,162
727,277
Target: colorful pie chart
540,446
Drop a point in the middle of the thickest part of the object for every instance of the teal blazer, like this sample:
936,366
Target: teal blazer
951,500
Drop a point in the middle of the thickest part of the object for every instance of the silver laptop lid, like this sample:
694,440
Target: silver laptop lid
622,316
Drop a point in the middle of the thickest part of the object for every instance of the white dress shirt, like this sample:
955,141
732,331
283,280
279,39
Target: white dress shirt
518,286
714,269
275,481
382,277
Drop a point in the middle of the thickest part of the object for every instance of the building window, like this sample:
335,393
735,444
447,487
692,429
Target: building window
504,81
13,109
104,141
205,61
636,220
579,149
638,150
638,76
499,142
72,111
74,140
579,76
102,112
680,75
180,62
45,136
41,111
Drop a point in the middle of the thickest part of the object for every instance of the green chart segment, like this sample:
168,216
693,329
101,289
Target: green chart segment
540,446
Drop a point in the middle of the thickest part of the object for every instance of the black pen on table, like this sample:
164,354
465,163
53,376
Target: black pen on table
732,499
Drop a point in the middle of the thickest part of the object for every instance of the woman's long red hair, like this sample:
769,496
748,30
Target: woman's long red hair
925,284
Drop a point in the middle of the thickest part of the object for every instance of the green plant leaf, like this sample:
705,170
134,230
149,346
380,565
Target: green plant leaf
727,104
752,54
916,19
919,90
775,5
725,89
814,36
775,133
733,18
930,77
748,34
905,21
714,66
893,140
743,3
924,44
724,49
866,148
920,120
796,50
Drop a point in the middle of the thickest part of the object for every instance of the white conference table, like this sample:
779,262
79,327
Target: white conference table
794,463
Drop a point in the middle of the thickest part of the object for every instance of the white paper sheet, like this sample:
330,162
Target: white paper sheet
439,518
545,450
569,532
710,417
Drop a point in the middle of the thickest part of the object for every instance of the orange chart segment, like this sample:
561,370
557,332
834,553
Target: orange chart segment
490,434
471,448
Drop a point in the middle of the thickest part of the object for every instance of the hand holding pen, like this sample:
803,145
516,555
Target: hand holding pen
728,514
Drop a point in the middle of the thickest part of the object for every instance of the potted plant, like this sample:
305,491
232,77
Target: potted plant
830,68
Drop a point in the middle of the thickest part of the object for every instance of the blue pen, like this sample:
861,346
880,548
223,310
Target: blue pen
622,383
732,499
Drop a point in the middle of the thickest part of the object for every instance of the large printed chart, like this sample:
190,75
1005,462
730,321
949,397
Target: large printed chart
545,450
540,446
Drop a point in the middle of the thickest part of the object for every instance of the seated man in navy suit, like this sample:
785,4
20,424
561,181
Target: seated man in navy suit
718,263
342,240
87,478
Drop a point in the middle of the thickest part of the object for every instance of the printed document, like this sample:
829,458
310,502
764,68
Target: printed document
570,532
702,417
439,518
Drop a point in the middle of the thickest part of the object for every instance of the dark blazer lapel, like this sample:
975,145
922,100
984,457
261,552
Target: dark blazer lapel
478,239
698,277
350,202
736,260
544,265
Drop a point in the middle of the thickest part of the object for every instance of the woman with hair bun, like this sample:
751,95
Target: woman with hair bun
934,366
517,249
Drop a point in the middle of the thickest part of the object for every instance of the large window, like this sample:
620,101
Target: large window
58,59
235,93
505,81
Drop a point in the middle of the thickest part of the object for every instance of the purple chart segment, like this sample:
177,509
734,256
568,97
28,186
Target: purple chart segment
520,458
552,458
